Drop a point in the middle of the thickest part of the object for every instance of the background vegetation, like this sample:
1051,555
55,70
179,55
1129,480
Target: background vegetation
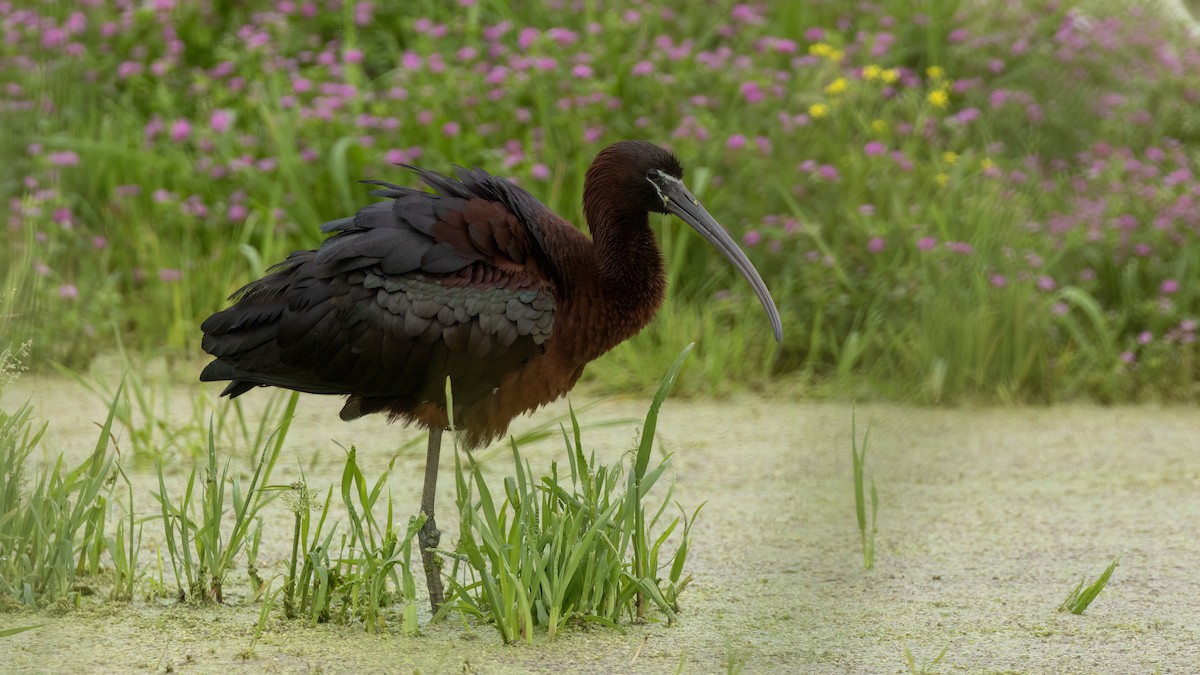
949,199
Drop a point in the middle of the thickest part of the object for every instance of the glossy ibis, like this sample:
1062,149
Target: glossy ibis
477,281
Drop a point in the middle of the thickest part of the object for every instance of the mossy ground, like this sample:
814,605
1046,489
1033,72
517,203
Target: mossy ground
987,518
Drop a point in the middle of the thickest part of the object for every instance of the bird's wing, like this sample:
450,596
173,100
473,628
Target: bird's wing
404,294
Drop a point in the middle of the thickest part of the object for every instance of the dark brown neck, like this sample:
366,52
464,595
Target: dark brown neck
630,271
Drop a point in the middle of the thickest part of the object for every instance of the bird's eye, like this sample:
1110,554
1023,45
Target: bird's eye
655,177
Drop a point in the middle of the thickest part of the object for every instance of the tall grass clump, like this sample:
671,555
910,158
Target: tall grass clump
123,545
377,557
555,550
201,555
367,572
51,519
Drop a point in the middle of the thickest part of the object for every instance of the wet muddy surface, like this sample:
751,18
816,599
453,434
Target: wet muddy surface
987,519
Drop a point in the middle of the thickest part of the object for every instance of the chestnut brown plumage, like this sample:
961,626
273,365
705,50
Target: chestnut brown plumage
477,282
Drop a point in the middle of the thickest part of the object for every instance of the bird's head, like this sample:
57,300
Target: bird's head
638,170
641,176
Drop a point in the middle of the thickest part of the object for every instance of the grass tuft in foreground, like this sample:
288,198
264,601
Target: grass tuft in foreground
555,550
1078,599
198,551
376,554
926,666
867,535
42,527
372,566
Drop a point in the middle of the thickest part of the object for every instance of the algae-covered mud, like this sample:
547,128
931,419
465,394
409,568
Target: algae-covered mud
987,519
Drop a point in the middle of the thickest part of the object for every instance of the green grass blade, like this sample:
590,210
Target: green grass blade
1082,596
651,423
5,632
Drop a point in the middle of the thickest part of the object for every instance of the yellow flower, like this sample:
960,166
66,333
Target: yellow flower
942,179
872,72
950,158
939,98
826,50
818,110
986,163
890,75
935,72
836,87
879,126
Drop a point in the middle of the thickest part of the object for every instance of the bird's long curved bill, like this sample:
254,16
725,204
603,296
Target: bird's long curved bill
680,201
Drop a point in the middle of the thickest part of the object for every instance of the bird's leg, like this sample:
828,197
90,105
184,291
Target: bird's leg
430,536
